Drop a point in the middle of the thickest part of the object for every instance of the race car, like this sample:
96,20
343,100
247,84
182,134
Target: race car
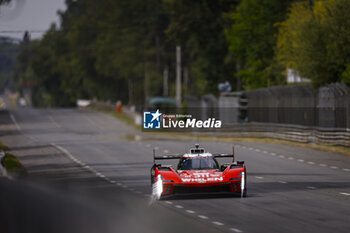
198,171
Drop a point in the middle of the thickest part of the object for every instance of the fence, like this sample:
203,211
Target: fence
293,113
301,105
295,133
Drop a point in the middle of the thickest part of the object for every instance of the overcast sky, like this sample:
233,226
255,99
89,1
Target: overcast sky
29,15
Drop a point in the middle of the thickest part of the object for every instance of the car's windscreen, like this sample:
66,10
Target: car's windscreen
202,163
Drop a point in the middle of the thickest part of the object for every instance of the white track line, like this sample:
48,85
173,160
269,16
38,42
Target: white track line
54,121
202,217
15,122
20,129
179,206
218,223
346,194
236,230
190,211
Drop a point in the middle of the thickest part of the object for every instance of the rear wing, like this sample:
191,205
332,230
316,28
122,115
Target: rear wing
226,155
164,157
177,156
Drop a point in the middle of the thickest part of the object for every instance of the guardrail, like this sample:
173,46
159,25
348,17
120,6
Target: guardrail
295,133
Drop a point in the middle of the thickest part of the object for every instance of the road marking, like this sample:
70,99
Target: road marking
345,169
218,223
322,165
156,148
334,167
15,122
54,122
257,150
282,156
265,152
259,177
346,194
202,217
273,154
311,187
166,151
250,148
244,147
300,160
290,158
282,182
311,163
148,145
94,123
169,202
179,206
190,211
138,192
236,230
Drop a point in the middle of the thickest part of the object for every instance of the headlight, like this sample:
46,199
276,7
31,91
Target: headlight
157,188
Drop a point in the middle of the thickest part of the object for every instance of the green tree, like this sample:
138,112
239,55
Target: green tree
315,41
199,27
252,41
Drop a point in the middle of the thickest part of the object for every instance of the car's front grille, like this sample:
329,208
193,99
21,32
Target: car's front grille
209,189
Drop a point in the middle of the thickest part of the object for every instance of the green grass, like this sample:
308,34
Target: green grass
12,164
125,119
121,116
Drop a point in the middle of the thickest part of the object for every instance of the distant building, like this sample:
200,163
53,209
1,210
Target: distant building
293,77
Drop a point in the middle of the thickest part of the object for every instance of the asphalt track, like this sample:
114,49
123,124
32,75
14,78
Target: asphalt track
94,168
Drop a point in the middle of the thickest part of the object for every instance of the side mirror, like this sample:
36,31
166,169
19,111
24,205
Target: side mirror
223,167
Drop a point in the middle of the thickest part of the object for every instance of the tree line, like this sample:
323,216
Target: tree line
118,50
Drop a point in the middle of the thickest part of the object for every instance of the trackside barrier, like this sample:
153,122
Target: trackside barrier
295,133
288,132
